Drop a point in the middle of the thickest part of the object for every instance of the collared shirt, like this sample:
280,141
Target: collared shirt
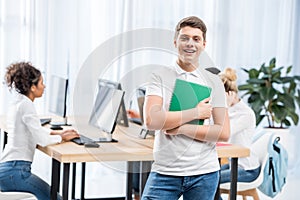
25,131
242,130
180,155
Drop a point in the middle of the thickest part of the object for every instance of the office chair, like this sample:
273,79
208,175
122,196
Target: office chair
17,196
13,195
260,148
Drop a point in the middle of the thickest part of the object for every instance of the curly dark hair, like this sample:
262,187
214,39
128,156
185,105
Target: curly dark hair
21,76
191,21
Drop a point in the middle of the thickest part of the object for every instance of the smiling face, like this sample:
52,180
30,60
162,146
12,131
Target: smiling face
189,43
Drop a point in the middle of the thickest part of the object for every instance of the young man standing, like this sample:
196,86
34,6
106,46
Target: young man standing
185,158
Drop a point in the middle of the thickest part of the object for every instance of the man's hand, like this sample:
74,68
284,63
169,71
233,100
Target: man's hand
133,114
204,109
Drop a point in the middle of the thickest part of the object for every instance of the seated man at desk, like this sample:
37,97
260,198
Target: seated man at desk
25,133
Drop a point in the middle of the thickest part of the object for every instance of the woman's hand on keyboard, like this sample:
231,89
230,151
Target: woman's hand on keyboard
69,134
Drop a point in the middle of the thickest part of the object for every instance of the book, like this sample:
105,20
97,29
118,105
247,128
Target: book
221,144
187,95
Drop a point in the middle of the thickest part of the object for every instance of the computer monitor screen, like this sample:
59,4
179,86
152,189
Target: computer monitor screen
58,97
140,99
106,107
141,92
122,118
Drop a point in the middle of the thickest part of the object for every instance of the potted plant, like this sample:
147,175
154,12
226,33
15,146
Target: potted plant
273,94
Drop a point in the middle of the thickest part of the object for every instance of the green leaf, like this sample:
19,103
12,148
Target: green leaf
253,73
292,88
259,118
272,62
245,70
265,69
298,98
277,80
294,117
267,93
246,87
277,70
287,101
255,81
289,69
280,112
287,122
257,106
255,97
286,79
297,77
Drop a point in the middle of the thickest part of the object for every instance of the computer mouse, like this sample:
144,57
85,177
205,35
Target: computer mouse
91,145
53,127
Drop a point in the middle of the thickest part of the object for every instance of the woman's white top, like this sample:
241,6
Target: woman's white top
242,130
25,131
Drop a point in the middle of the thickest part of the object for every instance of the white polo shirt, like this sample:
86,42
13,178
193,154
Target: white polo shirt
180,155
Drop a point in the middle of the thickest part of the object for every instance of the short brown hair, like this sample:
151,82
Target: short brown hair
191,21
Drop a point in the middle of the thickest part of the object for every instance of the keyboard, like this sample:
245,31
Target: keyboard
45,121
136,121
82,140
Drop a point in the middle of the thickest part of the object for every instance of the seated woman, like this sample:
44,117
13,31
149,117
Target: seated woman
242,130
25,132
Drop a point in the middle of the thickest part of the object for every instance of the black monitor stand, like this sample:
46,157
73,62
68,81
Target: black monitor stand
106,139
58,125
144,132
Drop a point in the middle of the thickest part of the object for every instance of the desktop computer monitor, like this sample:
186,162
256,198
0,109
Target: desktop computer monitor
58,100
106,108
122,118
141,99
141,92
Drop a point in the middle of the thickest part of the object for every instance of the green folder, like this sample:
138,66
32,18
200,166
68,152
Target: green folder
187,95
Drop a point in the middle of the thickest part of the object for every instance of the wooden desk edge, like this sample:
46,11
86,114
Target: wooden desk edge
89,156
233,151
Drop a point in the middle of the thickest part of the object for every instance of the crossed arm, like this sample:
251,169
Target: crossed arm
174,123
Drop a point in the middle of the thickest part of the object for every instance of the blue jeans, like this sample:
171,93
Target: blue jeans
243,175
165,187
17,176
